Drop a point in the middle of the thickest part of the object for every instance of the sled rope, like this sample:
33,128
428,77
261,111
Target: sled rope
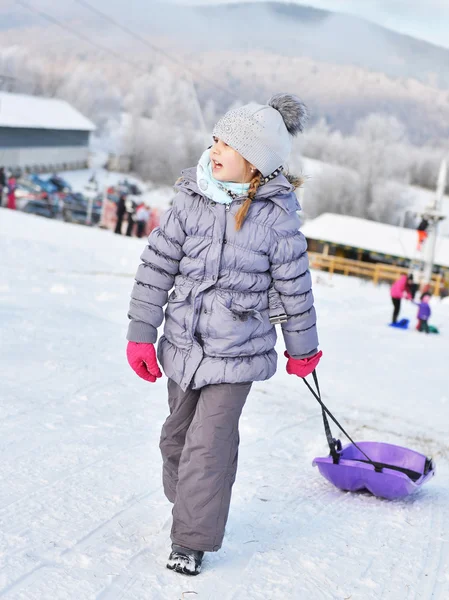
335,445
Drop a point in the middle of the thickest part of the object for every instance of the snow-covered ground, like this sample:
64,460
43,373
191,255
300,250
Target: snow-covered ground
82,513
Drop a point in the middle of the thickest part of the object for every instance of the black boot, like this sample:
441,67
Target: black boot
184,560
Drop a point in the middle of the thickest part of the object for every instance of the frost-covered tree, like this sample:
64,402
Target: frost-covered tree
380,129
160,151
88,90
376,133
20,72
84,86
388,200
332,190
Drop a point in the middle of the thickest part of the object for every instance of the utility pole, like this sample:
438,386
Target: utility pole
91,191
196,103
434,215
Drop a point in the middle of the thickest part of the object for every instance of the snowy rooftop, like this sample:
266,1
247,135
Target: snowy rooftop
369,235
20,110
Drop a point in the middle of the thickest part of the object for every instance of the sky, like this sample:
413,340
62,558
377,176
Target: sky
423,19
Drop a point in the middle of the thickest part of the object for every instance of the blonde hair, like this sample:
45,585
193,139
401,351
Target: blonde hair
243,210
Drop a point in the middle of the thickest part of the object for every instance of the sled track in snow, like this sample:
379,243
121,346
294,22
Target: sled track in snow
134,512
69,475
433,577
353,516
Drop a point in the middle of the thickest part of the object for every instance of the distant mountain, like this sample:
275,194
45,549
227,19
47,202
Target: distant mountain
343,66
283,28
332,37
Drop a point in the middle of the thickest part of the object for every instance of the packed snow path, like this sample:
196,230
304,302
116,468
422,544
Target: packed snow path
82,513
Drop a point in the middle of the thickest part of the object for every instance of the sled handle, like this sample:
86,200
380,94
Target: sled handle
334,445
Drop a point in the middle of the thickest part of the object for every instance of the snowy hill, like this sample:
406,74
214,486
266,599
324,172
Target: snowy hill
273,46
285,28
300,30
82,512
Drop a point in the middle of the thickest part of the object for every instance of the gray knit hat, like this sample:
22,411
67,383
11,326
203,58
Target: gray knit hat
262,133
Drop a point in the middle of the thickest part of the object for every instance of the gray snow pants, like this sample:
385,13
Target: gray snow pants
199,445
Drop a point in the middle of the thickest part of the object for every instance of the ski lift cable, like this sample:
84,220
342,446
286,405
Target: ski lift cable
76,33
116,55
85,38
152,46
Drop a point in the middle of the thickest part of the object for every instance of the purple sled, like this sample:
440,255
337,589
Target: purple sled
353,472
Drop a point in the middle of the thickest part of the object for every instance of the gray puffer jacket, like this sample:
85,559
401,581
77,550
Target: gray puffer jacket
217,322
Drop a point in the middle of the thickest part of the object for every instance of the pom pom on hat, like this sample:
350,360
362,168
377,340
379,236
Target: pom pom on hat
293,111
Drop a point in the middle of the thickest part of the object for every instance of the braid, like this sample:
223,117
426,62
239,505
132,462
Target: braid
243,210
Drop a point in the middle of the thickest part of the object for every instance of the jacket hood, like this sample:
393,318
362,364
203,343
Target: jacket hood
279,190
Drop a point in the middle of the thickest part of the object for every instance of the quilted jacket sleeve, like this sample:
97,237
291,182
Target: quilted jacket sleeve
292,280
155,277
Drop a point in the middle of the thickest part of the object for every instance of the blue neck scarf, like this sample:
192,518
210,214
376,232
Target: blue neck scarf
218,191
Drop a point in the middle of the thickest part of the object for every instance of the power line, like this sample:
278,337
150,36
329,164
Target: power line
151,45
116,55
81,36
48,17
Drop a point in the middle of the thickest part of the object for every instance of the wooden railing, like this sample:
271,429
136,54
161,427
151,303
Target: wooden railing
375,271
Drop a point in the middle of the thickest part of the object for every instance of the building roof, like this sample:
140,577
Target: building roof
35,112
383,239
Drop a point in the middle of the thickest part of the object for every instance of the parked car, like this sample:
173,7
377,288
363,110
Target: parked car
76,207
39,207
54,198
44,184
29,185
133,189
61,184
26,192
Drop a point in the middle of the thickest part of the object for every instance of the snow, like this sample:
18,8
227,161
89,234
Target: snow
23,111
82,512
369,235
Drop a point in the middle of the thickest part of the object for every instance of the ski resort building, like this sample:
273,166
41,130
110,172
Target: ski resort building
42,134
368,241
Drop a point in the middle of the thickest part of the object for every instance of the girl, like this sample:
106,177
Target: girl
424,312
231,249
400,289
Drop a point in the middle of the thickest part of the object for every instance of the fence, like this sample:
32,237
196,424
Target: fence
375,271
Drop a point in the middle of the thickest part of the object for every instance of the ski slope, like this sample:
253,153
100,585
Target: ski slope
82,512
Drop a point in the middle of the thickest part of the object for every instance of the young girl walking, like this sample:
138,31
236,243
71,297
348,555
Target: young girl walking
231,251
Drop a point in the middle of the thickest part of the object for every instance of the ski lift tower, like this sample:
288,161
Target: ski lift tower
434,215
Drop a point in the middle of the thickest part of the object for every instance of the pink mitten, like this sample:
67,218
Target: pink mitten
302,366
142,359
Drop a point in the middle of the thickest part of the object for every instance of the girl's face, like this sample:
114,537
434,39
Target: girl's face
229,165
